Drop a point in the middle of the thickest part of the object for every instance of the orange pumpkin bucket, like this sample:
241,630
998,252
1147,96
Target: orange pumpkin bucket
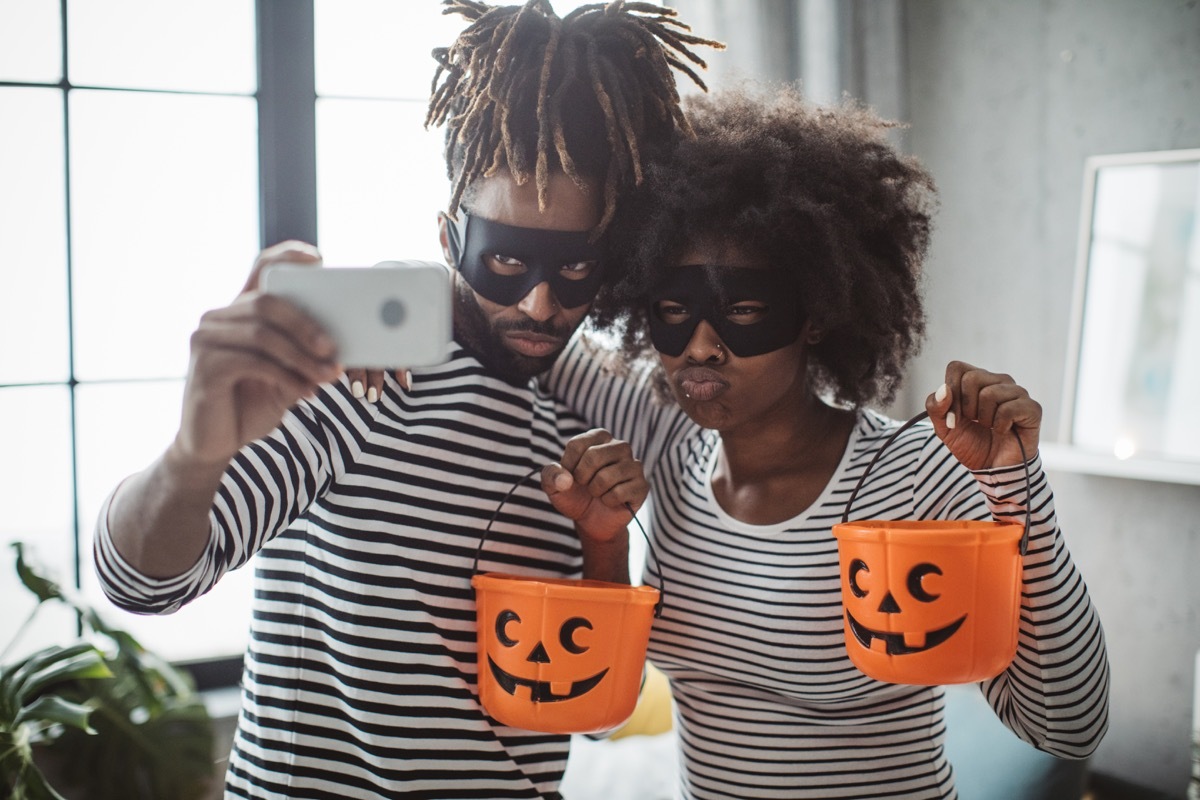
930,602
560,655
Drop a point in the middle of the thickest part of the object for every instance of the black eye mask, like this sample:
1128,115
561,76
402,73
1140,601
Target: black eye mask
543,252
708,291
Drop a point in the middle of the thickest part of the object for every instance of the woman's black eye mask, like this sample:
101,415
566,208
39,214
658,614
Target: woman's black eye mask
543,252
708,292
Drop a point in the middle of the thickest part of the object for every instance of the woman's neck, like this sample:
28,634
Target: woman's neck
772,470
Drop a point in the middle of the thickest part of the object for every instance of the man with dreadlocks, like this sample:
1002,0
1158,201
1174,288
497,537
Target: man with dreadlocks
365,518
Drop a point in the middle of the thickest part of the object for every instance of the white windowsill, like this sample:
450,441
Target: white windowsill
1067,458
222,703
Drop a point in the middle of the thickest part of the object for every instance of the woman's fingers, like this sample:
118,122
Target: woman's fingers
975,413
368,383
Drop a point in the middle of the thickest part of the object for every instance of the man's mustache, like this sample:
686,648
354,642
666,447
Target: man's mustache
532,326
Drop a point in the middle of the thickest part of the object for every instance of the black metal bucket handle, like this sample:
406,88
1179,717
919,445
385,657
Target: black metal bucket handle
662,594
1024,546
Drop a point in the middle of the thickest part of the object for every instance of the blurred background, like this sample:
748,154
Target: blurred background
149,149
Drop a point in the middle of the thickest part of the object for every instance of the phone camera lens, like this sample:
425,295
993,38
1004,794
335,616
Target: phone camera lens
392,313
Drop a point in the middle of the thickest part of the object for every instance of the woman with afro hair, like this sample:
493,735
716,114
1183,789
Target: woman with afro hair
772,298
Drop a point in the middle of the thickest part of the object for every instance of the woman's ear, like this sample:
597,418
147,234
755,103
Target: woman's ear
812,334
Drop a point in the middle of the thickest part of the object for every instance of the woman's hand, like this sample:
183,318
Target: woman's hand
368,383
975,413
592,484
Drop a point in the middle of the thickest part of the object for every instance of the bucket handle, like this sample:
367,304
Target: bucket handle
1024,546
662,595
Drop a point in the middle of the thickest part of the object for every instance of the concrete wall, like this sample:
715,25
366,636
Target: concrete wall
1006,100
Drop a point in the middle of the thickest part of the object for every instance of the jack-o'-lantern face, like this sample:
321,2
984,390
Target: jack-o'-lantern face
930,602
560,655
566,669
910,616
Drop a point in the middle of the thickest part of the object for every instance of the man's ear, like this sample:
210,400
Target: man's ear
444,238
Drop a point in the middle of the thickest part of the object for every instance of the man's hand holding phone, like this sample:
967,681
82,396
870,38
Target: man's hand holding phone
250,362
292,328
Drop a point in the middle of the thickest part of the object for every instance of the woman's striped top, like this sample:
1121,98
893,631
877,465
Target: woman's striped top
768,704
360,676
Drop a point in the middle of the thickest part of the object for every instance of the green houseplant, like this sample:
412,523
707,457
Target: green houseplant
108,717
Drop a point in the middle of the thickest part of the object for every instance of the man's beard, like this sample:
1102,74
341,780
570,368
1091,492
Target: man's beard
473,331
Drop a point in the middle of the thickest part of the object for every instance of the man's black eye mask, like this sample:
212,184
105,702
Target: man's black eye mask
708,291
543,252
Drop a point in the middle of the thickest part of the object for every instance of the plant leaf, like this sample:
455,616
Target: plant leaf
43,587
52,708
53,665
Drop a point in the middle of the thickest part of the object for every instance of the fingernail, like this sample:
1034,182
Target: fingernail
950,420
940,394
408,378
372,395
356,389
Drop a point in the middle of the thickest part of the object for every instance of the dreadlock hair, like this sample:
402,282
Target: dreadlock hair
817,191
589,93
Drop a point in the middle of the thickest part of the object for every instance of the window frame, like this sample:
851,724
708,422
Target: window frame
286,102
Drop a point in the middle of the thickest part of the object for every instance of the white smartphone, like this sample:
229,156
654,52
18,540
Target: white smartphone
395,314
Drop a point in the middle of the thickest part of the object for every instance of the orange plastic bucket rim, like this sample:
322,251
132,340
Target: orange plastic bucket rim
937,533
930,602
583,588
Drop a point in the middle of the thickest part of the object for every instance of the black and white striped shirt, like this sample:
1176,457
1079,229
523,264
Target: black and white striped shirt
768,704
360,676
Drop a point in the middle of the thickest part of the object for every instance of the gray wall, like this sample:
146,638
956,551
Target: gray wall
1006,100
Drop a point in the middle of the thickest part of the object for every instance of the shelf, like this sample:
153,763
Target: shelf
1068,458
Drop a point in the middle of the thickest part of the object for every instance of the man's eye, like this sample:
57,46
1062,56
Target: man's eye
505,265
577,270
747,313
670,312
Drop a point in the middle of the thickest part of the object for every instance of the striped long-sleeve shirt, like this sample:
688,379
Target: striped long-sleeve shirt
768,704
360,675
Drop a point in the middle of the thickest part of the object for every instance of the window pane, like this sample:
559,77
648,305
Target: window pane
121,428
30,41
165,209
149,44
381,180
35,494
33,271
379,48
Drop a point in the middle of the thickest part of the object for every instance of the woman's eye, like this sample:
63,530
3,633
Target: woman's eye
747,313
505,265
669,312
577,270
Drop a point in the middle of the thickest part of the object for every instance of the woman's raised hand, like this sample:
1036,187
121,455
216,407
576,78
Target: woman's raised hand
975,413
